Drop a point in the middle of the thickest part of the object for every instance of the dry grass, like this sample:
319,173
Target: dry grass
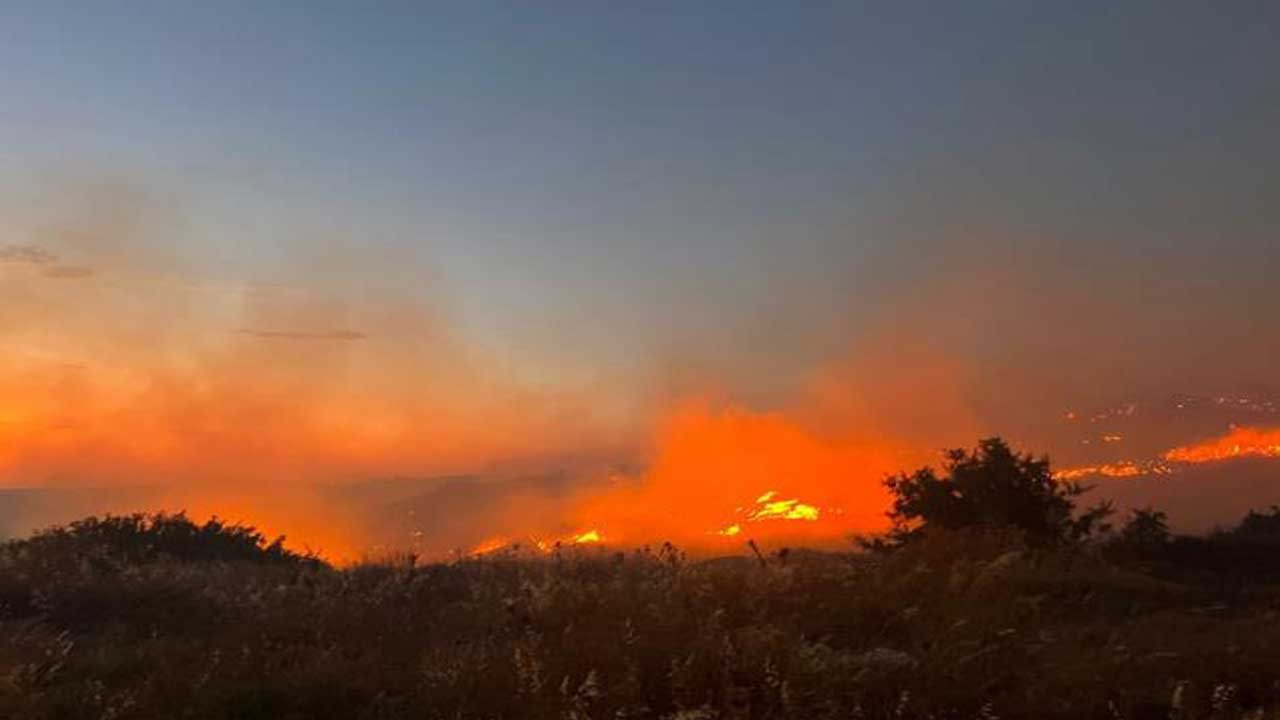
972,626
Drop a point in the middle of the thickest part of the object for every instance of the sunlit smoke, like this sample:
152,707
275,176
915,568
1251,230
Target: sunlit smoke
236,394
232,393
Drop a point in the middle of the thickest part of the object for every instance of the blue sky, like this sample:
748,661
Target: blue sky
598,192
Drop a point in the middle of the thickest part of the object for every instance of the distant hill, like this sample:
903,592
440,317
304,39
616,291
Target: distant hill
23,510
1199,498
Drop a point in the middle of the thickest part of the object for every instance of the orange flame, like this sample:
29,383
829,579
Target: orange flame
1239,442
769,509
543,545
491,545
1122,469
708,459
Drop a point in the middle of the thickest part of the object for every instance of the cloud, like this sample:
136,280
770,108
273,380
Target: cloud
26,255
67,272
46,260
304,335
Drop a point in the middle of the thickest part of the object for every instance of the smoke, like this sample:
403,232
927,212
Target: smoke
238,393
137,354
810,470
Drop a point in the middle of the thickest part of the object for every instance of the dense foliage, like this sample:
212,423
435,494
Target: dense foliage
992,486
119,541
958,624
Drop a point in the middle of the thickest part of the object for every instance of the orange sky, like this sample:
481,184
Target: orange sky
128,361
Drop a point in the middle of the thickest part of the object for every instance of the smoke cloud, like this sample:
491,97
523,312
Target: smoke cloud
246,392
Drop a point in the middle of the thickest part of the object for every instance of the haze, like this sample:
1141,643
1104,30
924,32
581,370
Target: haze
674,255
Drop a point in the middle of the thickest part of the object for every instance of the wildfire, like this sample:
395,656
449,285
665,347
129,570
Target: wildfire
770,509
491,545
767,508
798,485
542,545
1239,442
1122,469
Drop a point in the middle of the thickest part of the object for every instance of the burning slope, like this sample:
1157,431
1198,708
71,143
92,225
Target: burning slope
724,475
807,487
1238,442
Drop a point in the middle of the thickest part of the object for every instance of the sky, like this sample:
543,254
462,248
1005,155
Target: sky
337,239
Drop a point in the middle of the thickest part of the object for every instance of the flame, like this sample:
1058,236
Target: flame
1122,469
491,545
543,545
770,509
707,459
1238,442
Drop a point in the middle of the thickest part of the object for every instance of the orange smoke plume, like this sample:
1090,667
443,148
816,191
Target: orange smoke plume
723,474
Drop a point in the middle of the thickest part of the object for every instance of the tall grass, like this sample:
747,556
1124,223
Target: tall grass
972,625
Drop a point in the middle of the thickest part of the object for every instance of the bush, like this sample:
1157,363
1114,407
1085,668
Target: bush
991,486
127,540
90,567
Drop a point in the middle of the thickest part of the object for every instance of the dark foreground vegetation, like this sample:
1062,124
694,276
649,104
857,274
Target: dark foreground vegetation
962,612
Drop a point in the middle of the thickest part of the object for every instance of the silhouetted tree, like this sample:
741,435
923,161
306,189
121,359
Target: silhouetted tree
1260,526
991,486
1145,528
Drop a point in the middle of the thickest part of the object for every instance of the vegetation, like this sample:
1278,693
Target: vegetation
991,486
158,617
